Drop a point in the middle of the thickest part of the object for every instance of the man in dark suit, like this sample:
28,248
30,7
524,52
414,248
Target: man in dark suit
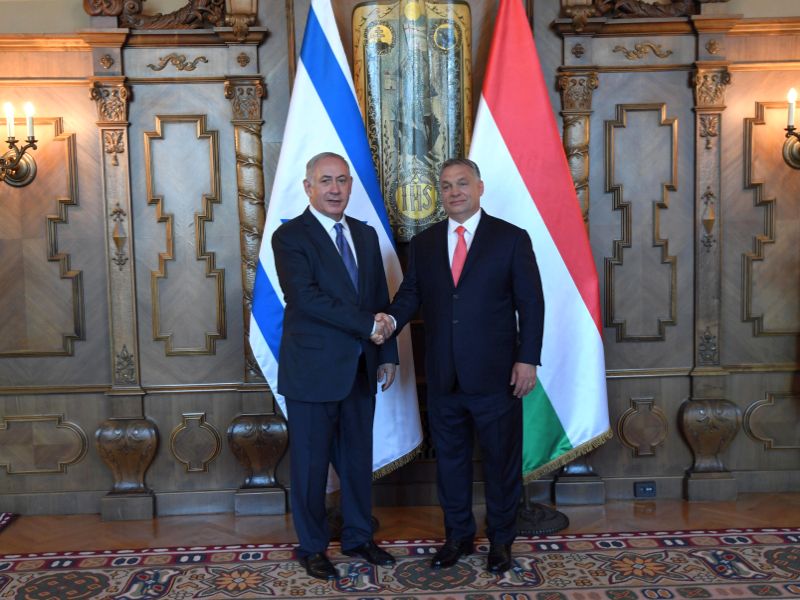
476,279
331,273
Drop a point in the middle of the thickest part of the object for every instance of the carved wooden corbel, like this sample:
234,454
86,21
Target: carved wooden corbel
240,14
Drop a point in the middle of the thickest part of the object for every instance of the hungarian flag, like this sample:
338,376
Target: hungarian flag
518,149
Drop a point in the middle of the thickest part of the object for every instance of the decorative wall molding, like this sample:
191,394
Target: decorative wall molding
642,49
51,229
201,218
179,61
36,439
195,442
773,421
643,427
610,317
764,237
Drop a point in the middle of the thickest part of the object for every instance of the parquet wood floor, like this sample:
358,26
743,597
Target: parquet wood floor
89,532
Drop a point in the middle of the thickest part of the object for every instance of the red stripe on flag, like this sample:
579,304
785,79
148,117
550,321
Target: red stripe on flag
515,91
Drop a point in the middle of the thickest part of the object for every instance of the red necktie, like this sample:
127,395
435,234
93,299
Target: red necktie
460,255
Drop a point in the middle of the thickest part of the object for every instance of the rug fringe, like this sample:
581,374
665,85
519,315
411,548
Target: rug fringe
567,457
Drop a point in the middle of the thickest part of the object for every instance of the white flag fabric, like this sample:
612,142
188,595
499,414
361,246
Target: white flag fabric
324,116
527,180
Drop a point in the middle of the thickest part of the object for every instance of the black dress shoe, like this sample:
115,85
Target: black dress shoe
499,560
317,565
371,553
448,555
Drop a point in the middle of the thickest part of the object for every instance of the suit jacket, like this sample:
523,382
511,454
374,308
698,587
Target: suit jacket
471,330
326,324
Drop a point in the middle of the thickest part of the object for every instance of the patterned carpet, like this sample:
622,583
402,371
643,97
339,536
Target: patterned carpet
734,563
5,519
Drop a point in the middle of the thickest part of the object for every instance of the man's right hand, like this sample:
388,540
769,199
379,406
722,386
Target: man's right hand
384,328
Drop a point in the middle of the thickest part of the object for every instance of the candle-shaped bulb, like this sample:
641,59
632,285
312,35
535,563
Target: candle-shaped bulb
29,112
8,108
792,98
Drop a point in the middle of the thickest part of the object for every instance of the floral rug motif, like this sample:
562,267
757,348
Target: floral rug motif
734,563
5,519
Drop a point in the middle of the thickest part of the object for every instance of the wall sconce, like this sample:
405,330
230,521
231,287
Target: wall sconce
791,147
16,167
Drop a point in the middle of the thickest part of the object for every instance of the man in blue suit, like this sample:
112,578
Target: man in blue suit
476,279
331,273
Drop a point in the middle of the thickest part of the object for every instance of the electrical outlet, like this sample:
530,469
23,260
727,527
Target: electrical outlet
644,489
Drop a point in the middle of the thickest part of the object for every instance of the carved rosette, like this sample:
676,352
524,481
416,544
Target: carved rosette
127,446
709,86
259,442
709,426
576,103
246,94
111,96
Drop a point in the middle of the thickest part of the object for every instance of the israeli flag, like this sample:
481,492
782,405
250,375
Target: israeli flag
324,117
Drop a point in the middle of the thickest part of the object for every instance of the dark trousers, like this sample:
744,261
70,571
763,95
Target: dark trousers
321,433
497,418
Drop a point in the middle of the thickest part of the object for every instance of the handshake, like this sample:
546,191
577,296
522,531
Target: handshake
384,328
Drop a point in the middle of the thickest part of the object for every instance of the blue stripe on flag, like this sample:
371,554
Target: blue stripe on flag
267,310
337,98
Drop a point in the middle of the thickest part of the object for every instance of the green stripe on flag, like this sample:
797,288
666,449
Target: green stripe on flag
543,438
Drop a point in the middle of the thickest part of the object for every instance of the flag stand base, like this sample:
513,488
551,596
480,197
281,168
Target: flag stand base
539,519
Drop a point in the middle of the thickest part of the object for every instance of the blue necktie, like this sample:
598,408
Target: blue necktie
347,255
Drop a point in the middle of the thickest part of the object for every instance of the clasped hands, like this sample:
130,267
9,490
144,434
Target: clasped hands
384,328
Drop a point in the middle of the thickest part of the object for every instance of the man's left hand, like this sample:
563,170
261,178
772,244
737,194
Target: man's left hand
523,378
386,374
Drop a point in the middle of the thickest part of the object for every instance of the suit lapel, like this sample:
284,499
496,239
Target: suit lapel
442,251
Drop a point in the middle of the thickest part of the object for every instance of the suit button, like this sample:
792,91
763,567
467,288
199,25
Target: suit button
455,321
455,296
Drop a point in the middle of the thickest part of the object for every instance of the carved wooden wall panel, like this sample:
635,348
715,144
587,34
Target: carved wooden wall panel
639,215
643,315
190,165
44,291
52,271
176,172
40,444
761,317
